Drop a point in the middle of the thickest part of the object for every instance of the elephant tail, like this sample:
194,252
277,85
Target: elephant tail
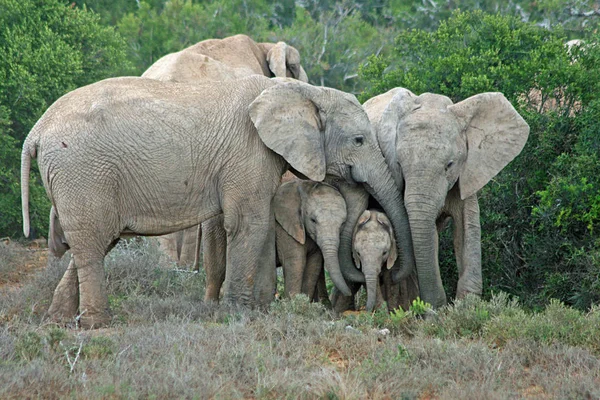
28,152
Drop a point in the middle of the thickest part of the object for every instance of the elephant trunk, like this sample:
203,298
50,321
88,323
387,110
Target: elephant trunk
332,265
381,185
349,270
371,283
422,215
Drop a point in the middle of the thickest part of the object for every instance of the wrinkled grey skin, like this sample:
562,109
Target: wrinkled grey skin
139,156
440,155
219,60
309,216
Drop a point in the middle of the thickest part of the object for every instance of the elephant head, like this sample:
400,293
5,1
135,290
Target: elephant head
323,131
315,209
433,146
283,60
373,245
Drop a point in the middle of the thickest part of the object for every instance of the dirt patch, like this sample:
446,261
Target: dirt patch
21,261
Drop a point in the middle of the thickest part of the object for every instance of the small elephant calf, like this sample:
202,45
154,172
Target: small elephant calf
373,246
309,216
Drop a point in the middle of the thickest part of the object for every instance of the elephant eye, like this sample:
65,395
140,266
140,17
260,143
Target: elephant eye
313,220
450,164
359,140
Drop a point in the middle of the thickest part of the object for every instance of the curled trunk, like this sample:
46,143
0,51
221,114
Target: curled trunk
332,265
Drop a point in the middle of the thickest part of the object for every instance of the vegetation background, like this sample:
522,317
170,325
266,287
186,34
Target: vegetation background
539,216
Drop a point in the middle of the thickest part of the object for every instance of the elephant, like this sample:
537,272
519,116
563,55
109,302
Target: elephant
219,60
229,58
441,154
373,245
132,155
309,216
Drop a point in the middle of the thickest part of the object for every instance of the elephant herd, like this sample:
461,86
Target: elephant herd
197,146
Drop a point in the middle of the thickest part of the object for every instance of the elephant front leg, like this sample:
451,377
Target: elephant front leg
214,257
292,256
65,301
467,248
247,230
312,272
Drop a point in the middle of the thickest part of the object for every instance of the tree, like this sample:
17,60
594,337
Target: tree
46,49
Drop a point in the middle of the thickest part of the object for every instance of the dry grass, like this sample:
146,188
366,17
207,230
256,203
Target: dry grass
166,343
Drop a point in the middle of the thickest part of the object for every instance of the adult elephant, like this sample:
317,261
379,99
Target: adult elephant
440,155
139,156
219,60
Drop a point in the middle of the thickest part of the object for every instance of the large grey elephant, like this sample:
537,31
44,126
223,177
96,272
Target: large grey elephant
140,156
440,155
309,216
219,60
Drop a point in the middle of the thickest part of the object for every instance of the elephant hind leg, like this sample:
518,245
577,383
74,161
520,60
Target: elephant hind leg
65,300
214,256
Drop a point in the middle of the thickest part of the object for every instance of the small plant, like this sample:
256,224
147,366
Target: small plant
99,347
29,346
55,336
419,307
299,305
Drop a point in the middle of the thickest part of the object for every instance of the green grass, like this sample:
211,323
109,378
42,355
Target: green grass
164,342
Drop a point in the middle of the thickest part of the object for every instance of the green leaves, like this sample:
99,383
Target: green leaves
46,50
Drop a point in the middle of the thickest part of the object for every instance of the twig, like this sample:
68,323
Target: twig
72,364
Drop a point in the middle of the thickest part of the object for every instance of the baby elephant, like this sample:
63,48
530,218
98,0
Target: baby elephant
309,217
373,245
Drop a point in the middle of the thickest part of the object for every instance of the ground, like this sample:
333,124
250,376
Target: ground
165,342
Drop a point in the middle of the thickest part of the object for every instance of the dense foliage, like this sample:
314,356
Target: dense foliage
539,214
46,50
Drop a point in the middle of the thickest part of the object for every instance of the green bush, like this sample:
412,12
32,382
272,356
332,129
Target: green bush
47,48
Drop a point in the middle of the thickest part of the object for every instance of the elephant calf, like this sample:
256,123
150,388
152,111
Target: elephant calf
309,218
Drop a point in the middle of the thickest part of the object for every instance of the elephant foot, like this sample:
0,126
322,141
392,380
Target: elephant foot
94,321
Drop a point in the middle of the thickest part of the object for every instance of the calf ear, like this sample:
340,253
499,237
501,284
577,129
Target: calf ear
289,123
287,207
363,219
393,252
496,134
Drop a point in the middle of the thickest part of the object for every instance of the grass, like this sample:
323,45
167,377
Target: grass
164,342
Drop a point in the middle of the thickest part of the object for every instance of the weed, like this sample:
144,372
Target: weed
29,346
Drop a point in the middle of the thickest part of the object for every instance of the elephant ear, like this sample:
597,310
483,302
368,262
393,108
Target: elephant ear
386,111
393,252
495,133
363,219
289,123
276,57
287,207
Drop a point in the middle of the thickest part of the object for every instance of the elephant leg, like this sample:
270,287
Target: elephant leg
265,284
409,291
170,245
467,248
93,297
188,247
196,265
391,290
321,292
312,272
214,256
65,301
343,303
292,256
247,224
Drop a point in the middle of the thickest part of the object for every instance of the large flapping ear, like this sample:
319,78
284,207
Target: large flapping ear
495,133
289,123
287,207
393,252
